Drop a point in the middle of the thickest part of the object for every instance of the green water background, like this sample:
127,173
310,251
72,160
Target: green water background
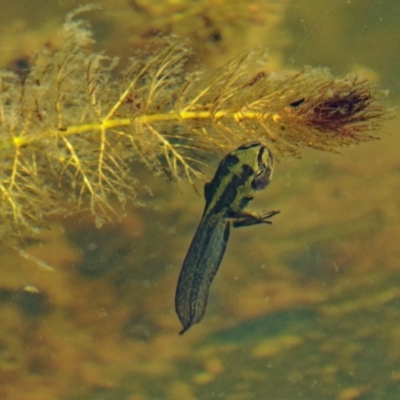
306,309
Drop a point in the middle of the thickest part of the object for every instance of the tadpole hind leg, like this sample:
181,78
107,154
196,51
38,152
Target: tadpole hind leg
250,218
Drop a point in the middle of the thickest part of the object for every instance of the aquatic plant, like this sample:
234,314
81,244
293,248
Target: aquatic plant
73,129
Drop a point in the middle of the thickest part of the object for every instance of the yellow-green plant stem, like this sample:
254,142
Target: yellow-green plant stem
19,141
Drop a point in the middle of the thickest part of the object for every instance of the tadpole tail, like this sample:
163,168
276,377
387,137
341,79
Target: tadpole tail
199,268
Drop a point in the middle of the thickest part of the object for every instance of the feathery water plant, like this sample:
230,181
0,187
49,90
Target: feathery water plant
72,128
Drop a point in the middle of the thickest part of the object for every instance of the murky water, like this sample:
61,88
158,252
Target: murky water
308,308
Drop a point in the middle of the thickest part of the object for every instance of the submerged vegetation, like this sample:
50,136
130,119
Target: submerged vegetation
304,310
73,128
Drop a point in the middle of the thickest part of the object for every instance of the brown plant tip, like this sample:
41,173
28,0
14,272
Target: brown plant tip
345,108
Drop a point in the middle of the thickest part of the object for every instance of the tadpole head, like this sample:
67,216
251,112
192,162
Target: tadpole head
263,175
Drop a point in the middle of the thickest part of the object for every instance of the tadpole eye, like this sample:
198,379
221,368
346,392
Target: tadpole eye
261,171
261,178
